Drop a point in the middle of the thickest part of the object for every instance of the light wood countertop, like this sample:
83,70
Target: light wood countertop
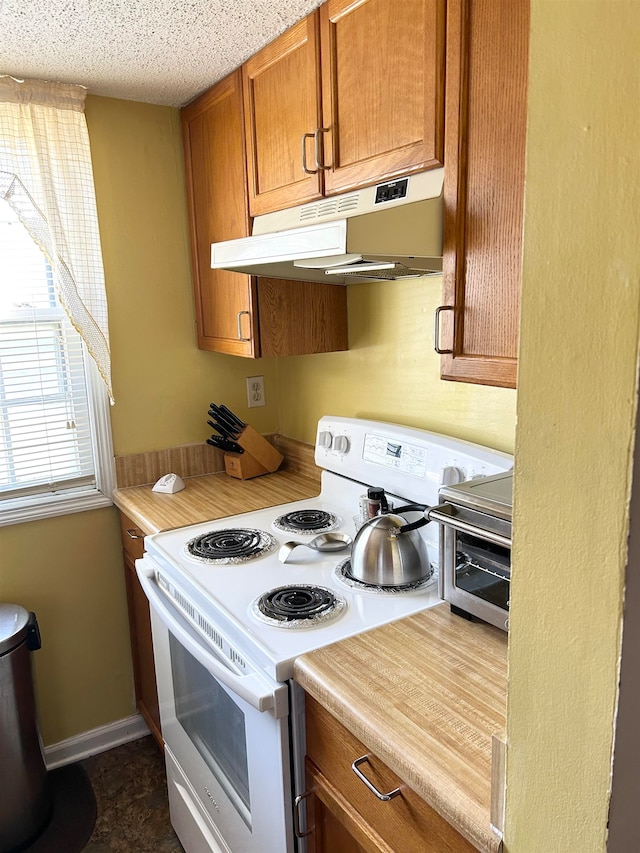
425,694
210,496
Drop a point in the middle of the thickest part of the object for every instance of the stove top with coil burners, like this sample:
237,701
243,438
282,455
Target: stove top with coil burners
233,592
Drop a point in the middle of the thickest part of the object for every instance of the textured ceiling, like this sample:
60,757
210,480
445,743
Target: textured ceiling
158,51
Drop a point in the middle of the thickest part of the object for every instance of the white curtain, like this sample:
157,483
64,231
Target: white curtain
46,176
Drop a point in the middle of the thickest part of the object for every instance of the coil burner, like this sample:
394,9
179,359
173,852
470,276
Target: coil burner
307,521
231,545
301,606
342,574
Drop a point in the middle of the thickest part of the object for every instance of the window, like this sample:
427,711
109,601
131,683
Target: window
55,443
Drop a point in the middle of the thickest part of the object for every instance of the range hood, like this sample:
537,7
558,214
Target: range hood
391,230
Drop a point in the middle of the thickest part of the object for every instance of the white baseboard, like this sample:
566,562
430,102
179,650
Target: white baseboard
95,741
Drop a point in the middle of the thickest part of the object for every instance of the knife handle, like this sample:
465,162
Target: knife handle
233,417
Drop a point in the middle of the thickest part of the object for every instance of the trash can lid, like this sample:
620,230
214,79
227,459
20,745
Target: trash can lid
14,622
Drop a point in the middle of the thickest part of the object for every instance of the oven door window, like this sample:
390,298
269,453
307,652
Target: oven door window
214,724
483,569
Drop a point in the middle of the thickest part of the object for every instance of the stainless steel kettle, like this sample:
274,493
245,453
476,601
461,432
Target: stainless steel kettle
388,551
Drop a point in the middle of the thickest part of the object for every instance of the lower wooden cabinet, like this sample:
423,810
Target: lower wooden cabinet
344,815
144,672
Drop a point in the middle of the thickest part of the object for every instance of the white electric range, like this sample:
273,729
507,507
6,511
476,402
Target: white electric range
230,617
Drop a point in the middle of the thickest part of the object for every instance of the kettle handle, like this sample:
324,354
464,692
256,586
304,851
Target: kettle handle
414,525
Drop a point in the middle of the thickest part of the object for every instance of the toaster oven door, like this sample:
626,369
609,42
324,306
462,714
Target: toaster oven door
475,572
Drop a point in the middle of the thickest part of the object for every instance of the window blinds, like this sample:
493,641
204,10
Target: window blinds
46,444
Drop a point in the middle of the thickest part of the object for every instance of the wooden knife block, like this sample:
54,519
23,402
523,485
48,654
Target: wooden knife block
259,457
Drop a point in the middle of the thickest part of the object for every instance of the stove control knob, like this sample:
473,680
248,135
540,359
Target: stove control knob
451,475
341,444
325,439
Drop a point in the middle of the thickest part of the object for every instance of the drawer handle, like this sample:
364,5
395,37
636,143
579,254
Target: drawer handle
384,797
296,816
132,533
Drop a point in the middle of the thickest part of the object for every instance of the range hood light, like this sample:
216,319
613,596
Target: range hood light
368,266
327,263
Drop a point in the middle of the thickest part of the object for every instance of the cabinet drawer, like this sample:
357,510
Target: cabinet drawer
132,537
405,822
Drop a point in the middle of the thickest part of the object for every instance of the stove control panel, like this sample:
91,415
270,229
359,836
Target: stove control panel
413,463
393,453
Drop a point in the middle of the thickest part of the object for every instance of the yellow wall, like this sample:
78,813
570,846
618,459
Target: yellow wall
576,413
391,373
68,570
162,383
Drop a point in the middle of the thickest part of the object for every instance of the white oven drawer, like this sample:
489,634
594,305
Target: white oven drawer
192,826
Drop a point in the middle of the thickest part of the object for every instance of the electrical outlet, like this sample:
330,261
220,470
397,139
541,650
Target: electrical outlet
255,391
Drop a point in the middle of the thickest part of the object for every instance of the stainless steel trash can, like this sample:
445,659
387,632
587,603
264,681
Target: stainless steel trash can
25,801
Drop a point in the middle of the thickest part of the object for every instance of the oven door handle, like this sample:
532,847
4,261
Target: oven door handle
250,687
446,515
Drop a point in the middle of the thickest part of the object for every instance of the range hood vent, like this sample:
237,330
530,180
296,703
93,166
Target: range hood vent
344,205
388,231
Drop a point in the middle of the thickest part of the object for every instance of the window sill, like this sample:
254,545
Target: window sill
21,511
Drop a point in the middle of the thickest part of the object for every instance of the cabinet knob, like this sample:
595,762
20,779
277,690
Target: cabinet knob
384,797
436,329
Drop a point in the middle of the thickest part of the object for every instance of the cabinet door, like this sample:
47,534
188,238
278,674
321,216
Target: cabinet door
282,104
142,651
301,317
216,190
382,89
144,672
487,60
332,821
405,822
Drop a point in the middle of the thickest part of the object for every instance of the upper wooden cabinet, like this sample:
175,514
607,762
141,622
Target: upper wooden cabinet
282,104
213,135
351,95
239,314
382,89
486,112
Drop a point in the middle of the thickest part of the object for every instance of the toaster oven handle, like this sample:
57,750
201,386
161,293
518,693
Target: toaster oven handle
445,514
248,687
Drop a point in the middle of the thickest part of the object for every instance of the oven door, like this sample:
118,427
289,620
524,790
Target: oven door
225,725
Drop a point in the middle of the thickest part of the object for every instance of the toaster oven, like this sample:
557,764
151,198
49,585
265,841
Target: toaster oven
475,547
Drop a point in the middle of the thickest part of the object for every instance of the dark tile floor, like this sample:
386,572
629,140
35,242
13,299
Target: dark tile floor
131,797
